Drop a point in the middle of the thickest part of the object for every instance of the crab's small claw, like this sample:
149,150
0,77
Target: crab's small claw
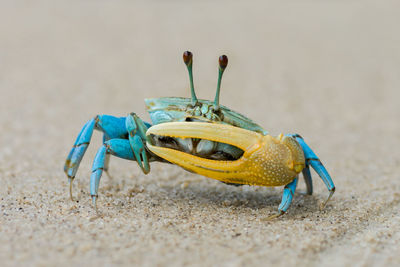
266,160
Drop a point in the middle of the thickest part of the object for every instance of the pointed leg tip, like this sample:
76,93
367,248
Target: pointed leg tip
94,203
70,179
323,204
274,216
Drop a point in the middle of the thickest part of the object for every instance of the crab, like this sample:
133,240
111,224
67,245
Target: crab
203,137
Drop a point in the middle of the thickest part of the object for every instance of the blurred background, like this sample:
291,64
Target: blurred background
328,70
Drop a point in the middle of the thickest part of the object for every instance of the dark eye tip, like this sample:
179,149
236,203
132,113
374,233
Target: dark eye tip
223,61
187,57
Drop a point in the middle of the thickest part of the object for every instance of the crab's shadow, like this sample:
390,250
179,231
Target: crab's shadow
254,198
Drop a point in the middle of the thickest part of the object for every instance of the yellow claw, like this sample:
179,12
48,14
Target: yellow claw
266,160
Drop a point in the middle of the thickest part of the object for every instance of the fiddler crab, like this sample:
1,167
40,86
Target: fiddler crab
203,137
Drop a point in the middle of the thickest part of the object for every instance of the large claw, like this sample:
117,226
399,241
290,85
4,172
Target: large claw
266,160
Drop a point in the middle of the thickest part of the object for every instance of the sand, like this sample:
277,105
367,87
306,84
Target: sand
327,70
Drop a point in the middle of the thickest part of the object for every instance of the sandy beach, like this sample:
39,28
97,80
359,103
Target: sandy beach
327,70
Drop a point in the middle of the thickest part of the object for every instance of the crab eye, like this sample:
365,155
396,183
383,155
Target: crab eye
187,57
223,62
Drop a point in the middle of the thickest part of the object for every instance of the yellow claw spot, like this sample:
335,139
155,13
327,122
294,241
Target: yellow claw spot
291,165
298,168
266,160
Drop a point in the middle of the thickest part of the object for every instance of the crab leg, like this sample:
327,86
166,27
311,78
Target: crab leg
78,150
107,159
112,127
315,162
307,179
117,147
287,197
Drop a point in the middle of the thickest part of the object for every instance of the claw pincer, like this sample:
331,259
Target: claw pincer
266,161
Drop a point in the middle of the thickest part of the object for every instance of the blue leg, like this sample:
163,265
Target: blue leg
287,197
78,150
314,161
107,164
112,127
107,159
68,160
307,178
117,147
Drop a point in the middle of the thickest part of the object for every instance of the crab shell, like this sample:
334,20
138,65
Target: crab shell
266,161
168,109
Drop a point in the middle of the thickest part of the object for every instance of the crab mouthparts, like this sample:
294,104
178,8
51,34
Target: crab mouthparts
224,170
